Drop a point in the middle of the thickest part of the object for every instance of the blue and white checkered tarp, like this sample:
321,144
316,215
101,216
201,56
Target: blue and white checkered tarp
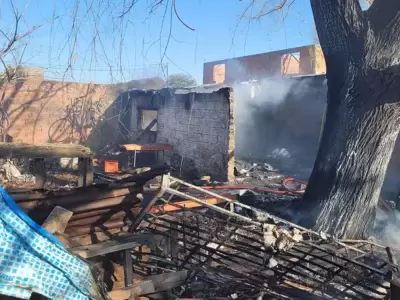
33,260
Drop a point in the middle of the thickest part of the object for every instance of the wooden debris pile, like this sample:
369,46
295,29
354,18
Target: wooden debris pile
95,208
181,241
232,255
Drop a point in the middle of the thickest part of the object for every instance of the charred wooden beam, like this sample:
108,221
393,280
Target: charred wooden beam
164,186
147,129
132,183
108,215
146,176
40,173
76,195
97,237
151,284
119,244
77,201
128,267
79,230
85,168
9,150
103,203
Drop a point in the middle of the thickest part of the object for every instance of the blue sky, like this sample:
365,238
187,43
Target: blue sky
104,47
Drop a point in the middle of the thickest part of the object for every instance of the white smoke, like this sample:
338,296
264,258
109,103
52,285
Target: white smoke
279,113
387,228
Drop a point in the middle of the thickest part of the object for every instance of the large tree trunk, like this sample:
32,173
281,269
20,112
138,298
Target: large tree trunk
362,116
355,150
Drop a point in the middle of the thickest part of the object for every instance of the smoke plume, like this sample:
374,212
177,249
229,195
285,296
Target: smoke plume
280,116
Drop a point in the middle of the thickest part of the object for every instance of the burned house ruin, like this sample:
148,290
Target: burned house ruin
198,125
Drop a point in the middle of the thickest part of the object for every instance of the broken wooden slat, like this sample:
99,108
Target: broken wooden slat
122,243
139,218
143,288
71,232
98,237
40,173
151,284
146,147
9,150
167,281
103,248
147,129
57,220
128,267
86,172
174,241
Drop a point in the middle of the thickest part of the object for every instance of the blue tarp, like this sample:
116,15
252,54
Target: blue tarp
33,260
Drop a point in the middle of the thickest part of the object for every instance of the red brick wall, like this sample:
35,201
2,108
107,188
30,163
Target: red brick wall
34,105
266,64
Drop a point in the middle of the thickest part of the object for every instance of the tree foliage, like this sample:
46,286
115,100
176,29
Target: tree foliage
181,81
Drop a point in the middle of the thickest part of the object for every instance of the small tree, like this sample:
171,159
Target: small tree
9,43
181,81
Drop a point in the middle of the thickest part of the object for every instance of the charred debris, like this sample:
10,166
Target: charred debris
150,234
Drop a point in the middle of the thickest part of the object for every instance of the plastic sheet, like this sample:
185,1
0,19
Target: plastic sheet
33,260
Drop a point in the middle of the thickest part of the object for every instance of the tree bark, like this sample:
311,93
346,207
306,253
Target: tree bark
362,116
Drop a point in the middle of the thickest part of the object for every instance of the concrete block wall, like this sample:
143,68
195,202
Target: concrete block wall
200,126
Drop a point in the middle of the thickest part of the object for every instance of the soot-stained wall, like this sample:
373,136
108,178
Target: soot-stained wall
198,124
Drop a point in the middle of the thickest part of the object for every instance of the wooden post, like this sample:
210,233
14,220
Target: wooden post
85,167
394,289
174,241
128,268
40,173
134,159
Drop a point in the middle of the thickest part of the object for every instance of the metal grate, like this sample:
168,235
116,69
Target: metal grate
231,254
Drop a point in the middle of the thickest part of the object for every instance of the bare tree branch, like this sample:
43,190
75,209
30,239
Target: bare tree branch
179,18
278,7
382,13
129,8
15,37
240,20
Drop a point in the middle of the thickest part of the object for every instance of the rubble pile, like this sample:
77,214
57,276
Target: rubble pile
264,174
10,173
258,174
166,239
95,208
232,256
